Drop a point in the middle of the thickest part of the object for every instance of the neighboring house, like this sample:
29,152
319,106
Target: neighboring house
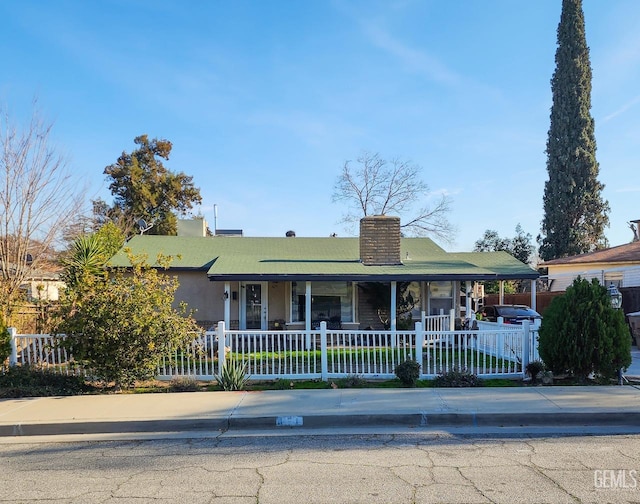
42,284
619,266
269,283
44,287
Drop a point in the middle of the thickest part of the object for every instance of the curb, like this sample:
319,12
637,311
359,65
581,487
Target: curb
425,420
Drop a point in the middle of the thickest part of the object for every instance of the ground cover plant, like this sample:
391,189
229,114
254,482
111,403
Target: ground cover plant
457,378
27,381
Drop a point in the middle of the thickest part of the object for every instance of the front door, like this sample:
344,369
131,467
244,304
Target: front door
254,306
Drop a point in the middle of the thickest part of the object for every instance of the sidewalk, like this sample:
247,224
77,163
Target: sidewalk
300,409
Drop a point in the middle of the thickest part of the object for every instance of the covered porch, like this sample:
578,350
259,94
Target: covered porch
344,304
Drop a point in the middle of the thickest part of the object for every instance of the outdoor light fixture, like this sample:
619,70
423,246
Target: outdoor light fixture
225,295
616,304
616,297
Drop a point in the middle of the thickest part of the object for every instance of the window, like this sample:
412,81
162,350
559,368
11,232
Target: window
414,290
614,278
330,301
440,297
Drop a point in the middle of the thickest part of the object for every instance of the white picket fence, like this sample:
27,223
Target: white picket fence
494,350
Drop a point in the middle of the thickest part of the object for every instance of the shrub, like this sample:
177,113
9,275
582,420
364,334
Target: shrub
457,378
533,369
183,384
352,381
27,381
120,324
582,334
5,344
408,372
233,376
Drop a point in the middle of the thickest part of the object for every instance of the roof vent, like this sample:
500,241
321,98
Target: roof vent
290,234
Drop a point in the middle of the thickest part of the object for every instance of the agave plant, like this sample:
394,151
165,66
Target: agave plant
233,375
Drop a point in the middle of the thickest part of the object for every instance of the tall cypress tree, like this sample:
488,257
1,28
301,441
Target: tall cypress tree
575,214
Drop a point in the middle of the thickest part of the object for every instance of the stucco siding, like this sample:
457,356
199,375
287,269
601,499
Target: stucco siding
277,301
203,296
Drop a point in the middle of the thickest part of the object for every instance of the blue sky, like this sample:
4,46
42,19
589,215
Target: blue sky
264,101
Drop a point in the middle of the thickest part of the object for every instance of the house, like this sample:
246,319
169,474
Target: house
40,284
293,282
619,266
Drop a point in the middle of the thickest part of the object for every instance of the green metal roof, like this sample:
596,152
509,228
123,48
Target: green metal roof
246,258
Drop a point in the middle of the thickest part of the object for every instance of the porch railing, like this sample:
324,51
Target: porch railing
491,351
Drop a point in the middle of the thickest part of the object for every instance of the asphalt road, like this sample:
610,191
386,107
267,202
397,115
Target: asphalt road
376,468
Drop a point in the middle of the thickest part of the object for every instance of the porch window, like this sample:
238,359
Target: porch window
440,297
330,301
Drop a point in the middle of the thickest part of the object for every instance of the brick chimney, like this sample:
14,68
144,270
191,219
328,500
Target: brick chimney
380,240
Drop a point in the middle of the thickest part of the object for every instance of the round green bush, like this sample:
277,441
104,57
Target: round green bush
408,372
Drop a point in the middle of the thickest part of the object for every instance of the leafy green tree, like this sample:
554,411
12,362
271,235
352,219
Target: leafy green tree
520,246
582,334
111,238
492,242
144,189
575,214
120,324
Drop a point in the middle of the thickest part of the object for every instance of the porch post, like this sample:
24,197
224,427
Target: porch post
526,345
394,302
13,358
307,314
324,361
419,344
534,294
227,304
222,344
468,291
501,292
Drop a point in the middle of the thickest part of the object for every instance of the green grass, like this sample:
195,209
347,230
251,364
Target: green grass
275,362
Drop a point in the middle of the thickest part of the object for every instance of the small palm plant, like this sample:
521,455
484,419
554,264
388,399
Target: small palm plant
233,376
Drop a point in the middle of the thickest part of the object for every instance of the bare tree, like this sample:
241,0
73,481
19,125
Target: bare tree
37,198
374,186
